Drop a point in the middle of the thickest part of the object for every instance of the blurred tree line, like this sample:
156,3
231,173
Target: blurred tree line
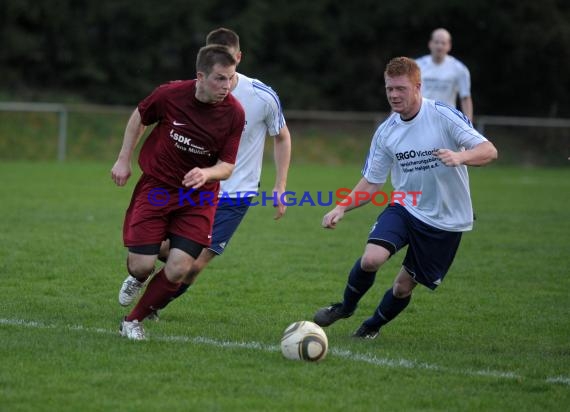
317,54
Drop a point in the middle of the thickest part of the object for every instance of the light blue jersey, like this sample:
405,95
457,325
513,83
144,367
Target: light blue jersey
263,116
404,149
444,81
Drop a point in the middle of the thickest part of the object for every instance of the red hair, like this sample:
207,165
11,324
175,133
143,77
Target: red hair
403,66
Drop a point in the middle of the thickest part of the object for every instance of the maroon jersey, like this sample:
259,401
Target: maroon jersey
188,133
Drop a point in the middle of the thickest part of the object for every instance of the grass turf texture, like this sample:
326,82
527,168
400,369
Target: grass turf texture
494,336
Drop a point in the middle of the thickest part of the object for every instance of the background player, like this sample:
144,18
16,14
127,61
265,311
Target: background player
443,76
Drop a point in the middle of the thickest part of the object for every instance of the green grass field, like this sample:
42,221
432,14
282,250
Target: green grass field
494,337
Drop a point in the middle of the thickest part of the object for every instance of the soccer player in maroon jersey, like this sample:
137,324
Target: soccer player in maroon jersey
192,146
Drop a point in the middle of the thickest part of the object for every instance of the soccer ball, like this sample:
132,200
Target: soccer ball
304,340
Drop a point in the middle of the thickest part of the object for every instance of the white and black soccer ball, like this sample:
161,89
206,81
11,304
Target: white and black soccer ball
304,340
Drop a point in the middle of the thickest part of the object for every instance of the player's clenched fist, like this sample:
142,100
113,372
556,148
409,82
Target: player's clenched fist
332,218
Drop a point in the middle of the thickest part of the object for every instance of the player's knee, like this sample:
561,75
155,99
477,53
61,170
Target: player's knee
197,267
402,289
371,262
177,270
140,268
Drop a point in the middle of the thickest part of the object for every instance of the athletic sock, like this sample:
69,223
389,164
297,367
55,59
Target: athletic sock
157,294
179,292
389,307
359,281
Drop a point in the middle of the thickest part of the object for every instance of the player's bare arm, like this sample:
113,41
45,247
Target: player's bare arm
480,155
196,177
121,170
467,107
282,155
334,216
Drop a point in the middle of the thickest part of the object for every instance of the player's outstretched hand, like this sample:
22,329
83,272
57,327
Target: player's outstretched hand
332,218
121,172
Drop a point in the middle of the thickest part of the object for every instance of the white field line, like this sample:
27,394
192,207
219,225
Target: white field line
341,353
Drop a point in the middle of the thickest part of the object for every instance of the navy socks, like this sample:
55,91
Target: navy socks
358,284
389,307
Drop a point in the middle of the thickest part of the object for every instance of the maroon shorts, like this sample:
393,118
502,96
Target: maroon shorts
156,211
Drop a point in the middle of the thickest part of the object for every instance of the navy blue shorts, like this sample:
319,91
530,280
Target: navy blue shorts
229,215
430,250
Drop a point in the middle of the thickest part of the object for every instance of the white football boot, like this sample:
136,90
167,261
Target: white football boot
133,330
129,290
